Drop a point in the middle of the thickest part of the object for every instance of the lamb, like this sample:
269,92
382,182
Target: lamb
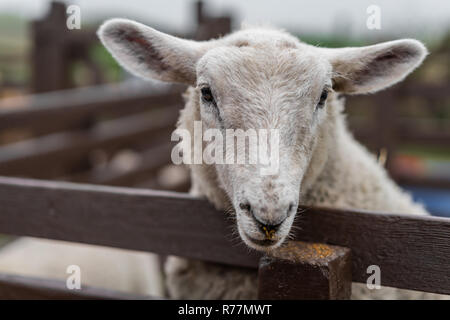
265,78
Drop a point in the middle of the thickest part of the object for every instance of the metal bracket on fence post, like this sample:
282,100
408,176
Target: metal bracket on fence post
301,270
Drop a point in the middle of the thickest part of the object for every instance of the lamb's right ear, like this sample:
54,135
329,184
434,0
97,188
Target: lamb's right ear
149,53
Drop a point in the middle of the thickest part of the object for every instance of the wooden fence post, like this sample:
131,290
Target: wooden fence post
209,27
49,59
55,48
199,13
303,270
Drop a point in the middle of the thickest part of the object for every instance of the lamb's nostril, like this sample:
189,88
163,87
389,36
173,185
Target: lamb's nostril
245,206
291,207
268,228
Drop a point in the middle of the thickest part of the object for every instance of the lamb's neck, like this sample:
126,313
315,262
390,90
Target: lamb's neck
332,163
330,141
352,178
337,157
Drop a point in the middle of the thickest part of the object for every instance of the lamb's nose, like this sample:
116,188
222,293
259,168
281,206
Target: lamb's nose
266,225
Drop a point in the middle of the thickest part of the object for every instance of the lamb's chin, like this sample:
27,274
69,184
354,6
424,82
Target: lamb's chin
265,246
264,249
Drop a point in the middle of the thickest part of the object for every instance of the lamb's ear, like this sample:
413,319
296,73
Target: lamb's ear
372,68
149,53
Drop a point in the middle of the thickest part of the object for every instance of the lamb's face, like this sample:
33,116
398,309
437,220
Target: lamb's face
262,79
261,88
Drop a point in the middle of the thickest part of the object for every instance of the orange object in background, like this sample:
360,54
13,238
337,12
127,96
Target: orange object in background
408,165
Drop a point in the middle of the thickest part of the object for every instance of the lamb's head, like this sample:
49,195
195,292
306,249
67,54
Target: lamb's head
263,79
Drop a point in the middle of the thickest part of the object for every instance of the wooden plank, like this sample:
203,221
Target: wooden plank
48,156
412,251
434,139
70,106
14,287
305,271
49,63
428,91
427,138
406,136
151,161
97,215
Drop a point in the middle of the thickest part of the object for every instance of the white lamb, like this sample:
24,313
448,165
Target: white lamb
261,78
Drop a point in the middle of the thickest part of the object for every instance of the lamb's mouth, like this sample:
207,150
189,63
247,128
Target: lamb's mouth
262,243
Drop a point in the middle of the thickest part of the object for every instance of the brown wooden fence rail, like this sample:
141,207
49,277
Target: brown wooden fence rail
41,135
30,288
66,107
412,252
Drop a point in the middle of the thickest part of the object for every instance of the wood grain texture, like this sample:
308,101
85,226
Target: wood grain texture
152,160
13,287
412,252
156,221
42,110
305,271
49,156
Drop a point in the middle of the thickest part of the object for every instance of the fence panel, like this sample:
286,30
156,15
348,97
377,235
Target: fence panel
412,252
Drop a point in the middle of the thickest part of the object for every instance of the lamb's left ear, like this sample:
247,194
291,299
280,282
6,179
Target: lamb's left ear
372,68
149,53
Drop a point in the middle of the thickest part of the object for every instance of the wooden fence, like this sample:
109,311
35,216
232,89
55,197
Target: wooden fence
56,135
412,252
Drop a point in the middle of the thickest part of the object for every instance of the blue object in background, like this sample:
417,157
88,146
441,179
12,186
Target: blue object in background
437,201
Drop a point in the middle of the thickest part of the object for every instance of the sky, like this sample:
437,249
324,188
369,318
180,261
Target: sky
407,18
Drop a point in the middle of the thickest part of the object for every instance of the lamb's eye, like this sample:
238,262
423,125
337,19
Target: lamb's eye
207,95
323,98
